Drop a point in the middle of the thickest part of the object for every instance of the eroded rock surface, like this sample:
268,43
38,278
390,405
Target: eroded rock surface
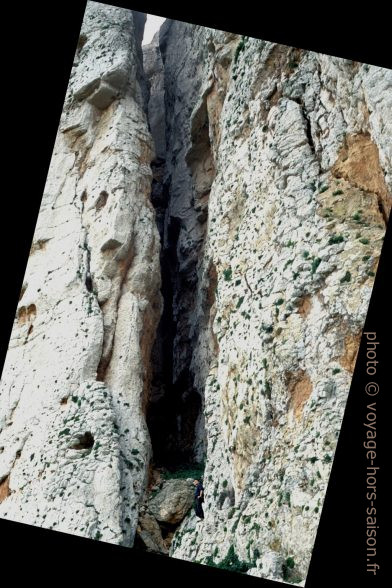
279,170
74,442
251,183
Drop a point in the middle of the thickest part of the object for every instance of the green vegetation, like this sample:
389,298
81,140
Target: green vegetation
323,189
267,328
194,471
230,562
227,274
240,47
268,389
335,239
315,263
346,277
364,241
287,572
337,193
240,301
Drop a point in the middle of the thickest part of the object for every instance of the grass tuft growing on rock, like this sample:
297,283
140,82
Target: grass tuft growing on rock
230,562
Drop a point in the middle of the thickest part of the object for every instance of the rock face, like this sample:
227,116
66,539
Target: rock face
153,70
74,446
278,168
149,532
218,330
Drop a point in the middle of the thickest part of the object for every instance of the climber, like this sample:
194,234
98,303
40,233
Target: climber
199,498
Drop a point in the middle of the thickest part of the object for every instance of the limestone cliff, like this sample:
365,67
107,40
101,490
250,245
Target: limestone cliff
74,445
195,293
278,167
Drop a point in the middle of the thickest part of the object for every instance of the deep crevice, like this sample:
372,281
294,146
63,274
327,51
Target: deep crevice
308,130
175,404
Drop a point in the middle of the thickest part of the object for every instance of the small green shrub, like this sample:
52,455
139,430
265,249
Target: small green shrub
315,263
233,563
290,562
227,274
335,239
267,328
346,277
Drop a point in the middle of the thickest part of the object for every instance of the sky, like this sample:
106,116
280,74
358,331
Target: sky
153,23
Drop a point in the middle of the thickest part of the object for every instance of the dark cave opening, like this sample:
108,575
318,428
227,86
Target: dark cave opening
174,404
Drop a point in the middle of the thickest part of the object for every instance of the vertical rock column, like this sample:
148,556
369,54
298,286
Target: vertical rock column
74,446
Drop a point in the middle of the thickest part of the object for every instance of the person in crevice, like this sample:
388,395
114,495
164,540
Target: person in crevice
199,499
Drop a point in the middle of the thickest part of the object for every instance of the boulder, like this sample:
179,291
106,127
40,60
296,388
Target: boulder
172,502
149,532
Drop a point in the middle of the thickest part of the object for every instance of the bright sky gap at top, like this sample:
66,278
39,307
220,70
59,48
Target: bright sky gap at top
153,23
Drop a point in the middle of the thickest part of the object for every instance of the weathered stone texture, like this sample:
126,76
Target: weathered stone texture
272,181
290,151
77,367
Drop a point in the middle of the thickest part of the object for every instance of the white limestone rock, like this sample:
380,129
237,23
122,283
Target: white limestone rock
78,360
